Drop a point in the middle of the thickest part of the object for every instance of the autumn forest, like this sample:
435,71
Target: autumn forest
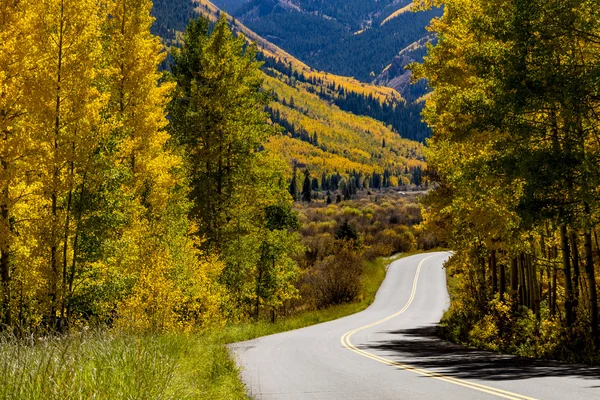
171,182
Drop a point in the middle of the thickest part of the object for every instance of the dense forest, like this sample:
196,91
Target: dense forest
339,36
110,212
404,117
114,214
174,17
514,154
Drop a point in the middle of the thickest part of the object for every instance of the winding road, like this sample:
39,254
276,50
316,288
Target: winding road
389,351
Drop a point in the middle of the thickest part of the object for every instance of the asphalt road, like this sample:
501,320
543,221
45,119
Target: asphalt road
389,351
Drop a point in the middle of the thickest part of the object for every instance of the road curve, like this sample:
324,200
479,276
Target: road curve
389,351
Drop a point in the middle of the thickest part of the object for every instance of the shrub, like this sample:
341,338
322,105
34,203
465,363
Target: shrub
337,278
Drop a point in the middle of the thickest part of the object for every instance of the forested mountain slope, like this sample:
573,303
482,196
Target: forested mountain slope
317,113
372,41
358,38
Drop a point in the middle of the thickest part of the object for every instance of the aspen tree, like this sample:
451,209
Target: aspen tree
515,123
17,147
68,105
138,99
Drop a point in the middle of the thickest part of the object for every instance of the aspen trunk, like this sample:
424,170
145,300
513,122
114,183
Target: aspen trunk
6,295
56,171
575,253
522,282
502,281
591,275
494,268
67,227
5,257
566,259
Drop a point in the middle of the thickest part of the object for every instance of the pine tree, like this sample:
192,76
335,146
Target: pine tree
217,116
306,187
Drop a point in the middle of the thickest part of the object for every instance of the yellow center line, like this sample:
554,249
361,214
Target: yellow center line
345,339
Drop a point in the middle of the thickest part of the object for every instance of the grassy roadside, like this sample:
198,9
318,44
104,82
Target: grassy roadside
374,274
111,365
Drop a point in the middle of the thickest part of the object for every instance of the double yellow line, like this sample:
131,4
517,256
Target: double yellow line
475,386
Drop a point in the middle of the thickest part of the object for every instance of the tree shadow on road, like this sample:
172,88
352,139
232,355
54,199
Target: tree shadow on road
421,348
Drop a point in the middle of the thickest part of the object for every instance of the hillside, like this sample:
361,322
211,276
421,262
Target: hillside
328,140
358,38
320,116
370,40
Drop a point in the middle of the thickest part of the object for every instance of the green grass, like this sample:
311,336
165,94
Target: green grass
112,365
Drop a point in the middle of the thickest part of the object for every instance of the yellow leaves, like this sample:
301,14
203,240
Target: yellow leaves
93,221
351,142
175,286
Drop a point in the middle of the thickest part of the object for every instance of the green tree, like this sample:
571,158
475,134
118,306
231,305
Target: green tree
238,190
347,233
294,185
306,187
218,118
515,119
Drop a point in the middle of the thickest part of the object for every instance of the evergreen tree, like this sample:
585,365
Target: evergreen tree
306,187
347,233
324,182
217,116
315,185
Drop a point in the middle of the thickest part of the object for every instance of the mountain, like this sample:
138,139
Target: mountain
358,38
319,113
230,6
396,76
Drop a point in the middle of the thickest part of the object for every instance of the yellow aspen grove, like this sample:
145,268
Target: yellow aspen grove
170,287
16,147
515,150
138,101
68,104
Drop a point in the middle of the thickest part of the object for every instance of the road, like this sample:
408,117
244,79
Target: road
389,351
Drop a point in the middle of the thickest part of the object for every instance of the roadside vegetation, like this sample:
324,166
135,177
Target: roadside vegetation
117,364
514,157
134,247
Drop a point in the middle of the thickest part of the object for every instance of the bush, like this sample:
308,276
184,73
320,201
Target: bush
336,278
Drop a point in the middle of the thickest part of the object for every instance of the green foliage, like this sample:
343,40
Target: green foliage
241,205
281,217
294,186
110,365
514,154
217,117
306,187
346,232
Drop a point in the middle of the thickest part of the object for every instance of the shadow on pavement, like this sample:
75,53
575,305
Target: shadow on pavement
421,348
